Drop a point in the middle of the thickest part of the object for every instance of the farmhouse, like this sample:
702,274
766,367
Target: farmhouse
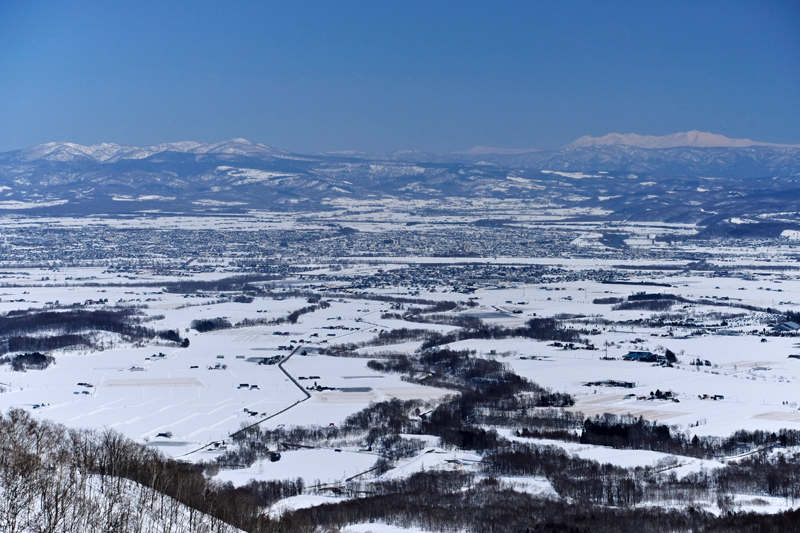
644,357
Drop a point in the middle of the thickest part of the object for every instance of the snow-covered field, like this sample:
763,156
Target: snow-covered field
183,395
757,379
319,465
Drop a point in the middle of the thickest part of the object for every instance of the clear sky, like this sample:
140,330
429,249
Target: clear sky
382,75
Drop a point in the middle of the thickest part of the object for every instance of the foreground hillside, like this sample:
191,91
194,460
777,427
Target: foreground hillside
56,479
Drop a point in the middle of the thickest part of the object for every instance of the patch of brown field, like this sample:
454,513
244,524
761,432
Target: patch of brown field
779,415
598,398
419,392
345,397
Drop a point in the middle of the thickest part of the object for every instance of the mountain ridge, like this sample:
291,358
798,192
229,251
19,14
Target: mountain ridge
482,150
694,138
681,184
113,152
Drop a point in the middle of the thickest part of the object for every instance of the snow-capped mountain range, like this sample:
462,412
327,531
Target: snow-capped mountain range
694,138
567,156
110,152
676,177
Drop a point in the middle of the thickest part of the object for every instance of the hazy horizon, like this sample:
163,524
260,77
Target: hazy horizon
692,138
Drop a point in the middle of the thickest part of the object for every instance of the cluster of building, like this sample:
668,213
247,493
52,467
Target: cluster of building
193,250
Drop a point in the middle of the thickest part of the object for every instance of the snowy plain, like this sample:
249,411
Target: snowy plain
755,381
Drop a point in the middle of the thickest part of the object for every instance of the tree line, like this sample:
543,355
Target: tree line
37,330
542,329
204,325
28,361
455,501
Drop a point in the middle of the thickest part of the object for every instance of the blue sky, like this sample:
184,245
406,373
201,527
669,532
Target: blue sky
381,76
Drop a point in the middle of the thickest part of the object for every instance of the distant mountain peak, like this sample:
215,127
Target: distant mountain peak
694,138
484,150
110,152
